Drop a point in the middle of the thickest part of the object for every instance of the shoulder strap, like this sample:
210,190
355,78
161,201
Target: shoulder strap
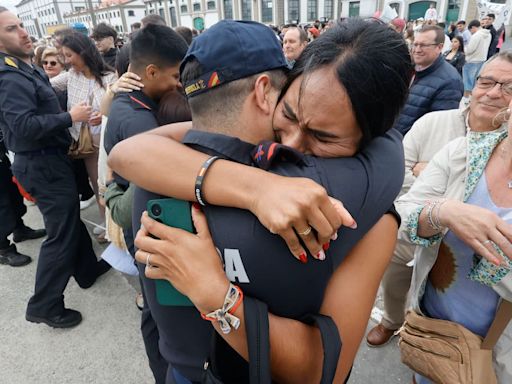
258,343
331,342
499,324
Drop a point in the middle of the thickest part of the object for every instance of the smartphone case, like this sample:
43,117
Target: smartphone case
174,213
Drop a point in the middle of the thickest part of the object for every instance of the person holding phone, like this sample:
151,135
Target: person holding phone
338,282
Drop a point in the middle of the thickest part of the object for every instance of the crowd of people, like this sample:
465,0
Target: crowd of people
302,205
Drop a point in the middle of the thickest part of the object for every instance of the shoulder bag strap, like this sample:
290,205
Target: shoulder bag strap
258,343
499,324
331,342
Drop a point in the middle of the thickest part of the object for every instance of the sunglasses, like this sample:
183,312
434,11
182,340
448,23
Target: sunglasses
51,63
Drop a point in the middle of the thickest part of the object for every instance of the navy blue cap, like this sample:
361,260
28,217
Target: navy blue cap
232,50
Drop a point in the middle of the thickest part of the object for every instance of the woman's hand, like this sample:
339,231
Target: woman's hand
128,82
95,119
479,228
188,261
299,207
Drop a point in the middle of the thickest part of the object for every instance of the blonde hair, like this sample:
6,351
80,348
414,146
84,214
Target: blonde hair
52,51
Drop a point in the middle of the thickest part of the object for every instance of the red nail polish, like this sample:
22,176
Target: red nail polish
196,206
326,246
303,258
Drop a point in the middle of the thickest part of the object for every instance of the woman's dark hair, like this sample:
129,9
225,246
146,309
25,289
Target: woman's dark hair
373,66
83,46
123,60
461,43
173,108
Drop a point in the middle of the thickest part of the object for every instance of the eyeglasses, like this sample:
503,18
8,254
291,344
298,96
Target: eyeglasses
50,63
422,46
488,83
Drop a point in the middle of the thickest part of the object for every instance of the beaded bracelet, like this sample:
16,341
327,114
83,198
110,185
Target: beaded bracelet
224,316
200,178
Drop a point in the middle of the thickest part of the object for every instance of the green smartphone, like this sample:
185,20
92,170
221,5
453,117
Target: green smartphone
174,213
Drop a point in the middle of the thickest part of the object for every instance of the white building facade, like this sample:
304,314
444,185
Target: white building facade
120,16
41,17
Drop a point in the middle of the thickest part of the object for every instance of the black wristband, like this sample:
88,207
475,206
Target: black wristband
200,178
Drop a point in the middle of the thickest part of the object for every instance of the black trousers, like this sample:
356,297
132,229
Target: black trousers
12,207
67,251
82,180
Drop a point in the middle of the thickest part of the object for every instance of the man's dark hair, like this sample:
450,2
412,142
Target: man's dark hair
461,22
491,16
438,31
373,65
474,23
103,30
135,25
153,19
158,45
83,46
186,33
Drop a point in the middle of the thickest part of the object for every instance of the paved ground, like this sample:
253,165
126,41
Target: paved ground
107,347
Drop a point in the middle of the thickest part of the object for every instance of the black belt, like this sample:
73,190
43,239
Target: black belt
44,152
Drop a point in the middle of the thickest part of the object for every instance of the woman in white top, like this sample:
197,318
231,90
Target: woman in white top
86,82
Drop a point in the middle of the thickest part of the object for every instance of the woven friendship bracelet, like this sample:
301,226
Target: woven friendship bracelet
200,178
224,316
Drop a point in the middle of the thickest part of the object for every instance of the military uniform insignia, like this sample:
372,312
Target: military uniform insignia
11,62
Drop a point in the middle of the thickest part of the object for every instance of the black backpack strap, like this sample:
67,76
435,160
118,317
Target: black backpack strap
258,340
331,342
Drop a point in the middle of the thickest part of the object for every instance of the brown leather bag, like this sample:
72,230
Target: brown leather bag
84,146
448,353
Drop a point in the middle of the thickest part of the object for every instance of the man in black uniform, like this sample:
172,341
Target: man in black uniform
156,53
34,127
12,210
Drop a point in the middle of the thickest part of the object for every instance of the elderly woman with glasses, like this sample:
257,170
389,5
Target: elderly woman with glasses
459,214
52,62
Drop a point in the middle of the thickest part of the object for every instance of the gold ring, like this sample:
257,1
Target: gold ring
305,232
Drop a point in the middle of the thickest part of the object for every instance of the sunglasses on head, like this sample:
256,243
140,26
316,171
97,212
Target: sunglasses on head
51,63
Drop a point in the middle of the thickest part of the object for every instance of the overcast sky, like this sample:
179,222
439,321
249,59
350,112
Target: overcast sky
10,4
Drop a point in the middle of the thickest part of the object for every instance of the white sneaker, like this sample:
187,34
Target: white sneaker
87,203
98,230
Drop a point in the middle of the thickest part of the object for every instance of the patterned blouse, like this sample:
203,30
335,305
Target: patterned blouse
480,146
80,89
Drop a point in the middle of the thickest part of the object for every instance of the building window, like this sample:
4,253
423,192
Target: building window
161,13
197,7
293,11
329,9
131,13
210,5
228,9
183,9
353,9
246,10
174,19
312,10
266,11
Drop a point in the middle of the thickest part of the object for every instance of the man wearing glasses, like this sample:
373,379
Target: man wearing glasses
436,85
491,96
